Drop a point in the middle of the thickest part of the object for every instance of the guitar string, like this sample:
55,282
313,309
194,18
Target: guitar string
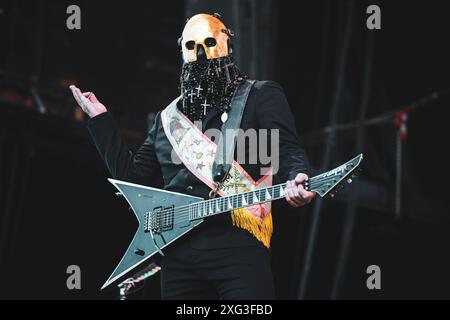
313,184
206,205
187,210
235,200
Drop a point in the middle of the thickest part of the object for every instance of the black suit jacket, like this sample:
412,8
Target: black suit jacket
266,108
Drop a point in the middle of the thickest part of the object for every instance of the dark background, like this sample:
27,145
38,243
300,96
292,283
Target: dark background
57,208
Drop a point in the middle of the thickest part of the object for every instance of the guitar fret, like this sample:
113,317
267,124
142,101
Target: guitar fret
255,198
247,198
281,191
244,202
321,184
227,203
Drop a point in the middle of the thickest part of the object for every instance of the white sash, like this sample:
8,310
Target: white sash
197,151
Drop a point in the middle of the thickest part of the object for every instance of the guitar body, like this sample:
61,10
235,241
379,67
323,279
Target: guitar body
174,223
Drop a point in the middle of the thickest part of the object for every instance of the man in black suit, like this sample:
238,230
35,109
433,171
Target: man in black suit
218,259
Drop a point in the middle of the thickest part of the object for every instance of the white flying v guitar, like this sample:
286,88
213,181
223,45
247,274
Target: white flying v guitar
165,216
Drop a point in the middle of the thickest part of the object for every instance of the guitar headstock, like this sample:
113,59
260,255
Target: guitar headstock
331,181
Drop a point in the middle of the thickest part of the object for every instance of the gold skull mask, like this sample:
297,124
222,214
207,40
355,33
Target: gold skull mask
204,34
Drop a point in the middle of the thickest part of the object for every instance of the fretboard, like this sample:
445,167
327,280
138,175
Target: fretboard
206,208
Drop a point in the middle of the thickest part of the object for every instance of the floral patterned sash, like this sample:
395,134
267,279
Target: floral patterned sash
197,151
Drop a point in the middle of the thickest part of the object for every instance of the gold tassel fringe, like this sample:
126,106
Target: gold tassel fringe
261,230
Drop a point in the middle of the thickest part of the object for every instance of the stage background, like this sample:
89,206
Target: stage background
58,209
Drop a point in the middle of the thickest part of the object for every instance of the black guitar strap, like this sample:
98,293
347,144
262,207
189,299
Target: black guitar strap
227,142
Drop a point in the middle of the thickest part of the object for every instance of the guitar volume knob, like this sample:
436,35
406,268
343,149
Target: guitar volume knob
139,252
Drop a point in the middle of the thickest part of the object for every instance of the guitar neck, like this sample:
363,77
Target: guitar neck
321,184
207,208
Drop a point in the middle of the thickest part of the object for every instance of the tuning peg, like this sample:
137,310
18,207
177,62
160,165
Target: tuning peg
356,173
307,185
334,192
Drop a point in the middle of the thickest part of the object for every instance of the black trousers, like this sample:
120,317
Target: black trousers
241,273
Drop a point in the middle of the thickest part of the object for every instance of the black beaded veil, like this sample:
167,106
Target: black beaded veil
208,84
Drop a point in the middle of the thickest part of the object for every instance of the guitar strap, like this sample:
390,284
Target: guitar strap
197,152
230,129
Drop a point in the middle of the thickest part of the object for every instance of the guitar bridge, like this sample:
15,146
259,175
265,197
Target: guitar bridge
159,220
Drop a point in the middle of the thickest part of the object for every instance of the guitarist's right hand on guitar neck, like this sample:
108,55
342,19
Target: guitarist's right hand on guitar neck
88,102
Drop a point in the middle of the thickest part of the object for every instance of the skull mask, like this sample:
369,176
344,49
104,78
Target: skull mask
204,37
209,75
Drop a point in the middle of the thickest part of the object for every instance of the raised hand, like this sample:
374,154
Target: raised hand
88,102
